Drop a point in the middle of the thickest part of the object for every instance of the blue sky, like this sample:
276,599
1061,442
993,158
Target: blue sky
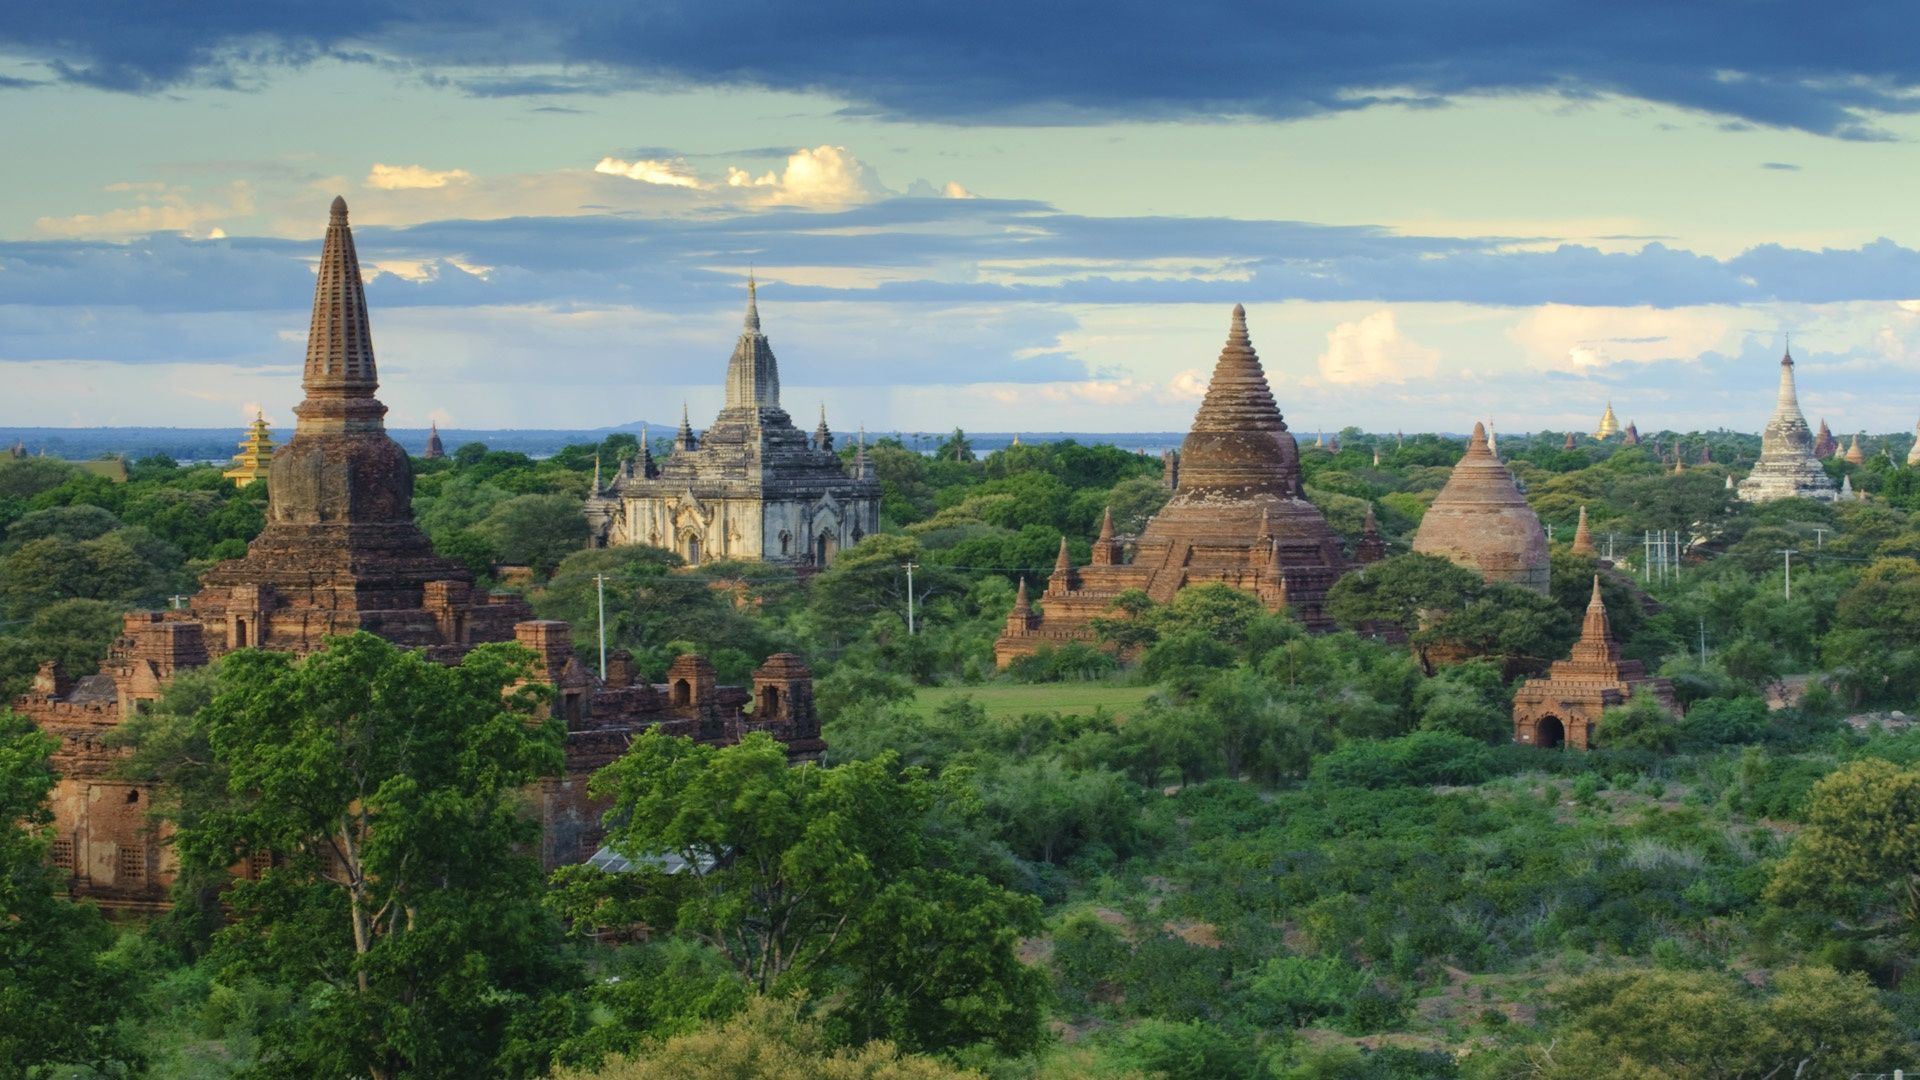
989,215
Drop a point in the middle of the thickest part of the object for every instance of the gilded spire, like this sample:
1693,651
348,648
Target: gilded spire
1609,426
340,376
1582,536
256,454
1855,456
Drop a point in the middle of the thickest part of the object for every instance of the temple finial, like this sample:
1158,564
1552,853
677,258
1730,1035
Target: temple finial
340,376
1479,436
1062,563
753,304
338,211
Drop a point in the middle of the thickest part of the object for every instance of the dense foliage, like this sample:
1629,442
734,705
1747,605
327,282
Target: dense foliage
1270,854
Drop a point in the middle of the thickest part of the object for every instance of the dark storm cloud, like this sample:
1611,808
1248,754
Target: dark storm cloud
943,251
1827,68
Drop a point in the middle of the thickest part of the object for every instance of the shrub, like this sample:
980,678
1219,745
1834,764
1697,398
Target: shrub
1425,757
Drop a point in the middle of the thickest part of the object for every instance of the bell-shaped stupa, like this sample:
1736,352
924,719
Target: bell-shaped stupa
1787,468
1482,522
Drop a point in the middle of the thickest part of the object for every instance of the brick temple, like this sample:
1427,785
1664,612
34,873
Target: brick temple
341,552
1238,516
1482,522
751,486
1562,708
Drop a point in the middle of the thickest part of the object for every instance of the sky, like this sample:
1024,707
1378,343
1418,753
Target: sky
994,216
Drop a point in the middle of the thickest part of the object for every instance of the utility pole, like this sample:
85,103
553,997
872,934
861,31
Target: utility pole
600,587
910,567
1819,538
1609,547
1788,552
1703,639
1646,555
178,601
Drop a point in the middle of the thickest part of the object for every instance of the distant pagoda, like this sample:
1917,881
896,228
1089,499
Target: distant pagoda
1855,455
1824,444
255,456
1631,437
435,451
1609,427
1787,468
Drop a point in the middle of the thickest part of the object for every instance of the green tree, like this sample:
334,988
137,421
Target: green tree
1641,724
829,879
535,530
402,905
1673,1024
59,1000
771,1040
1860,851
1397,592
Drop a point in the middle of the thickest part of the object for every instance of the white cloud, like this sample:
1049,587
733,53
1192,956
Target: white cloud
1911,307
1188,385
824,176
1372,350
411,177
674,172
1583,339
953,190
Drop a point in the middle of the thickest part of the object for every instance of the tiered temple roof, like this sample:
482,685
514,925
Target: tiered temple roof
1787,467
1238,516
1482,522
1563,708
750,486
256,454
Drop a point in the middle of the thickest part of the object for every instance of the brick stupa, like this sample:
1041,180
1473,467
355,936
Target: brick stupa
1787,468
1563,708
1482,522
1238,516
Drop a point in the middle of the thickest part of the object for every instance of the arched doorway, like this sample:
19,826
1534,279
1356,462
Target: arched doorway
682,692
693,551
824,547
769,703
1549,732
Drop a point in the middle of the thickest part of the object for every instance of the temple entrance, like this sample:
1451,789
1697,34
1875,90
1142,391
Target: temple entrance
824,548
693,551
1549,732
682,692
769,703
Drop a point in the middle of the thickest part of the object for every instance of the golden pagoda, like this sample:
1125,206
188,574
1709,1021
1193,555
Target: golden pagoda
256,454
1609,427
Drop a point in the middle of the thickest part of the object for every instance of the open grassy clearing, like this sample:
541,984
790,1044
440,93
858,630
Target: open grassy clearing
1013,700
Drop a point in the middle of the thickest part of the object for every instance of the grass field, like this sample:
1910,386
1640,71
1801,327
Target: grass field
1017,699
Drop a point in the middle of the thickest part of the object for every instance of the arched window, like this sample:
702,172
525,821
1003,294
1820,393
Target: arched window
682,692
769,703
693,551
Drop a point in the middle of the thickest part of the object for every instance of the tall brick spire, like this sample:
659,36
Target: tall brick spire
340,375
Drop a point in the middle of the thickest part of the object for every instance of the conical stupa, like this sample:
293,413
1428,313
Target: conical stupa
1787,468
1856,456
435,449
1609,427
1583,536
1482,522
